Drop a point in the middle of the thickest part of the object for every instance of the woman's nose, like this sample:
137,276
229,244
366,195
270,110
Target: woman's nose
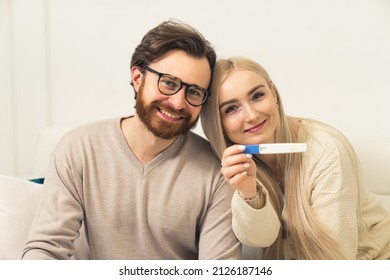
250,113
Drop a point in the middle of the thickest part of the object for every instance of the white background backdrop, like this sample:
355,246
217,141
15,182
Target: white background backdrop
66,62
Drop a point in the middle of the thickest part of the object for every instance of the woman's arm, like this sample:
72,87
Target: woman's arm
255,227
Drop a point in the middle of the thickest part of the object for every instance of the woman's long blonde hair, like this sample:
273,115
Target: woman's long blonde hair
310,238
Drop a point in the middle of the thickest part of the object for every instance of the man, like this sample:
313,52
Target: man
144,186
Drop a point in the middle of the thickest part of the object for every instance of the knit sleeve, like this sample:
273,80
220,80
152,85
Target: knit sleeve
254,227
58,218
334,191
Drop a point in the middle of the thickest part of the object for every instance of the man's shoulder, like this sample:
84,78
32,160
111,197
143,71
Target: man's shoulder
91,133
91,128
200,148
198,142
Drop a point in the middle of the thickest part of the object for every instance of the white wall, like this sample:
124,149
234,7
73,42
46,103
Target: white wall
66,62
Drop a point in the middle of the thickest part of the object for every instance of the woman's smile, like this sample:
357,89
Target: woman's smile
256,128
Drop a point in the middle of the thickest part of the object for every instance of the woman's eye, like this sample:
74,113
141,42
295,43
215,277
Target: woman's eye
230,109
257,95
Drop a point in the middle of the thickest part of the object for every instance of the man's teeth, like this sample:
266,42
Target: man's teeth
170,115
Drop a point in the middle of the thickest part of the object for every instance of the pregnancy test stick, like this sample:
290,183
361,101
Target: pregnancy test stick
275,148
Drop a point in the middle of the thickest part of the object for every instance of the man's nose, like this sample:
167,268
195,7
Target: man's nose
178,100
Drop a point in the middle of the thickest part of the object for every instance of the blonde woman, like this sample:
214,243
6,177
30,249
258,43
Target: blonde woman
307,205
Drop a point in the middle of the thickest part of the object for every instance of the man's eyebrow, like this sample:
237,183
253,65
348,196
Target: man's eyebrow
248,93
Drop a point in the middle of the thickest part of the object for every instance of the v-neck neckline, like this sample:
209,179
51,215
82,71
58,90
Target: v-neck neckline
170,151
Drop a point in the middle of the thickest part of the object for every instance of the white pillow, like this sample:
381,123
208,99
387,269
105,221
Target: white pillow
374,158
18,201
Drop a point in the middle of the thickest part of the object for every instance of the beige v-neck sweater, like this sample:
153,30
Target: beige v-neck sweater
175,207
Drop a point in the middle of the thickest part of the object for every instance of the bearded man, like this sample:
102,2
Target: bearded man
144,186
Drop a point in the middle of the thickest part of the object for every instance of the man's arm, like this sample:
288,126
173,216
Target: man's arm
58,217
217,240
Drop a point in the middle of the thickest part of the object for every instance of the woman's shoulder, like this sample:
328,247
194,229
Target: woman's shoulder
323,135
327,144
330,156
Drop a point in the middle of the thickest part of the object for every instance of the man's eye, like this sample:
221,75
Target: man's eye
195,92
169,83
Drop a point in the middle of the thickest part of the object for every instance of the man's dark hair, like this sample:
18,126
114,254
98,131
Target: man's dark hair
171,35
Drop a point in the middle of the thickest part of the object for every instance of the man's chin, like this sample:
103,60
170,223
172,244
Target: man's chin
168,134
172,131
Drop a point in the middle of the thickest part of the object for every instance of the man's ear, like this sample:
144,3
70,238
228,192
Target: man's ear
136,77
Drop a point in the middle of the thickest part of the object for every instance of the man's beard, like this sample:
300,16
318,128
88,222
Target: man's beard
159,127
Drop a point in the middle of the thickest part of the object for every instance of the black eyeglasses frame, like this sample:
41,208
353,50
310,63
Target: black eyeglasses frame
159,74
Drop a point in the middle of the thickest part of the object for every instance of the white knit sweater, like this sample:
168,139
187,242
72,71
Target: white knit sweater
359,223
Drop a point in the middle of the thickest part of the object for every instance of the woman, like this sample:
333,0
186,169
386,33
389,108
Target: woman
295,206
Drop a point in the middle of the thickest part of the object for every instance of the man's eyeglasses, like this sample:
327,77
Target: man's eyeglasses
169,85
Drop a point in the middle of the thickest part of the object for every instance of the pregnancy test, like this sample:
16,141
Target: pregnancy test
275,148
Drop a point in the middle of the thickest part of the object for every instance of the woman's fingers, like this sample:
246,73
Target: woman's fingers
238,181
239,169
234,155
242,177
233,150
231,170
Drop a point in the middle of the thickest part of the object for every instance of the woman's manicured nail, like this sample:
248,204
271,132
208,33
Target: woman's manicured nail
241,148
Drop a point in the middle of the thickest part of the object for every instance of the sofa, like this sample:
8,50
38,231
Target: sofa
19,197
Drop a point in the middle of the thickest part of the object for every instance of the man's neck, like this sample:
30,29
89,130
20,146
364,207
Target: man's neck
144,144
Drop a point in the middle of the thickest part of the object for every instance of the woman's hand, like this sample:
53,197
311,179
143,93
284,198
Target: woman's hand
239,170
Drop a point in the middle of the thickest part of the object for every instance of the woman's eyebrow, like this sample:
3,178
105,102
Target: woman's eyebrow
227,102
248,93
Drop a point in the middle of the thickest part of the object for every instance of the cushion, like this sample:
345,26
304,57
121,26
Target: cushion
38,180
18,201
48,139
374,158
